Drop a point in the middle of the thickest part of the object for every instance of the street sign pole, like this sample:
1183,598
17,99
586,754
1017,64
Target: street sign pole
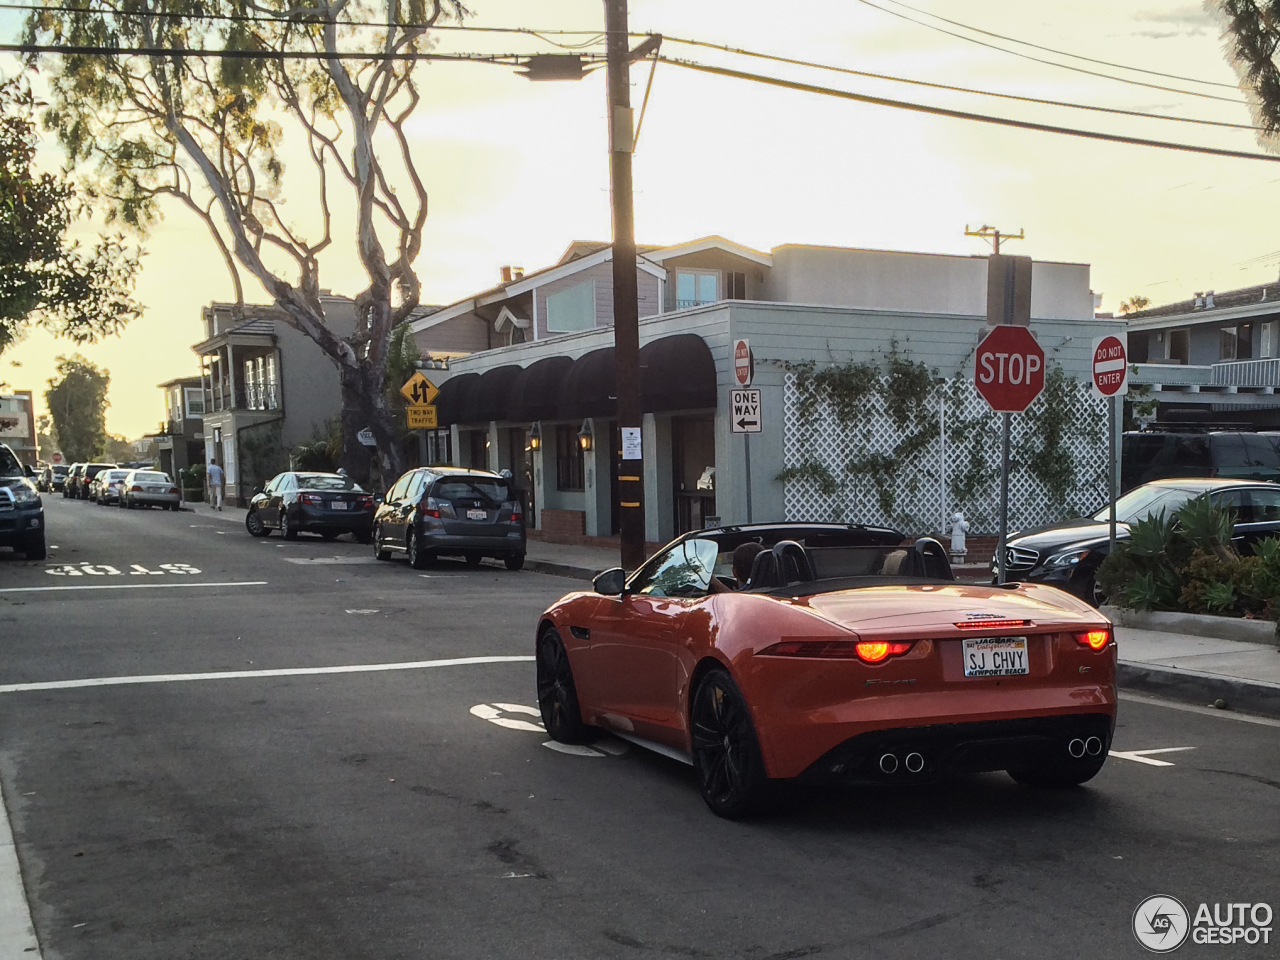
1001,559
1111,469
746,441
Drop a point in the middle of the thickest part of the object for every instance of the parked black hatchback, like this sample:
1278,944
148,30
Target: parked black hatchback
329,504
1068,554
449,511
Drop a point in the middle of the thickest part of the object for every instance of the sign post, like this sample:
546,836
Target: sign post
1009,374
744,407
1111,382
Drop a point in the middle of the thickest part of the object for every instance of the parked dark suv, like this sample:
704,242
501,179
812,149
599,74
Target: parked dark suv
21,509
448,511
78,483
1170,454
1067,555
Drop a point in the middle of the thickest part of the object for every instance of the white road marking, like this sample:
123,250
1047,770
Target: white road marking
1203,711
493,712
106,570
133,586
1144,756
362,611
251,674
573,749
328,561
17,933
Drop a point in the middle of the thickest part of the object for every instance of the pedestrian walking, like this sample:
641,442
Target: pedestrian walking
216,479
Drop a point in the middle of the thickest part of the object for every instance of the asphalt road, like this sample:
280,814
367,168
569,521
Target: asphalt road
372,814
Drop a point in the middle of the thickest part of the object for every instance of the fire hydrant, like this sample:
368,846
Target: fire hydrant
959,527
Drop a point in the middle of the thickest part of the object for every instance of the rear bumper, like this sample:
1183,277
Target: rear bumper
159,499
949,749
313,518
445,543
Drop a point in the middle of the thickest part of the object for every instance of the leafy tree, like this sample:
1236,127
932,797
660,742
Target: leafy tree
1135,304
77,402
209,133
1252,38
44,277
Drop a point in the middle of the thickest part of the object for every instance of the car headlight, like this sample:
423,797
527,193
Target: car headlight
1068,559
25,492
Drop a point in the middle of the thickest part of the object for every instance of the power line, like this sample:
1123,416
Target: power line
943,86
963,115
1061,53
1053,63
261,18
87,50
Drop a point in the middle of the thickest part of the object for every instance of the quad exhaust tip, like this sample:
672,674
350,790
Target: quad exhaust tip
914,763
1076,748
888,763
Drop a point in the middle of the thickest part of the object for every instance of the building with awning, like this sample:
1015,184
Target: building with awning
543,404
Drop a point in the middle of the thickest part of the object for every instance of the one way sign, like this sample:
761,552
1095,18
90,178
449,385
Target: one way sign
745,406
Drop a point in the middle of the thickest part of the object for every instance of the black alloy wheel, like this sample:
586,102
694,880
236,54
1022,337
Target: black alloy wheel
1096,595
287,529
253,523
418,558
557,695
379,551
726,755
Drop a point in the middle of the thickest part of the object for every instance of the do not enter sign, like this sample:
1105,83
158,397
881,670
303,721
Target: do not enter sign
1009,371
1110,367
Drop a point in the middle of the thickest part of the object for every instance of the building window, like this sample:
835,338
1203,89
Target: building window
1235,343
1268,339
572,310
696,287
735,286
194,398
1180,346
569,459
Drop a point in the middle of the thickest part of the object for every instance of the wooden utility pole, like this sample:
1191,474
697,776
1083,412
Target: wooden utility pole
626,320
994,235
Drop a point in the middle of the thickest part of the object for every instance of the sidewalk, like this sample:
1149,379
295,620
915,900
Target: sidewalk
1201,669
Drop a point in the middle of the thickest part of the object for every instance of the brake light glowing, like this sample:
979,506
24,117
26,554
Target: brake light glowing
516,515
867,651
990,623
1094,639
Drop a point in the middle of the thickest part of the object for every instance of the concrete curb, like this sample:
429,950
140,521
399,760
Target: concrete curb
1195,624
551,568
1192,686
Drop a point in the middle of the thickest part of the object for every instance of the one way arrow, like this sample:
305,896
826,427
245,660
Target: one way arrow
744,423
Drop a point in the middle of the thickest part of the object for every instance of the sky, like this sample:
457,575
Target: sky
518,170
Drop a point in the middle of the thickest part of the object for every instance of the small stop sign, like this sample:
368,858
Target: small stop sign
1009,371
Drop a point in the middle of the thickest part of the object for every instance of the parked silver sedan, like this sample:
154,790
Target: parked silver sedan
150,488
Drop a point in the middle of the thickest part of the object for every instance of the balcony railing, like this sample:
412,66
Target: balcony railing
263,396
1247,373
686,304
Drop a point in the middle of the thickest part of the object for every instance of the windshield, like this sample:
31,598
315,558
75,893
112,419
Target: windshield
116,474
494,490
9,465
152,477
60,469
320,481
1141,503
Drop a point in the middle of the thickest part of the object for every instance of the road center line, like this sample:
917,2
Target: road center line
248,674
133,586
17,933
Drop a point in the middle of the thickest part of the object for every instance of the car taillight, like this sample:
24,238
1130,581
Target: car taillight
992,624
171,489
1094,639
137,489
516,515
865,650
431,507
310,498
364,501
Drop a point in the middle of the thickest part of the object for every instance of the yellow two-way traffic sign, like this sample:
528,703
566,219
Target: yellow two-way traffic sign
419,391
422,417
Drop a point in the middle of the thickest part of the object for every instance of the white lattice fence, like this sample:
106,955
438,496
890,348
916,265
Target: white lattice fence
908,494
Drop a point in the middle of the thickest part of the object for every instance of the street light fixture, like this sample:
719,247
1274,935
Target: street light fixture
535,437
585,436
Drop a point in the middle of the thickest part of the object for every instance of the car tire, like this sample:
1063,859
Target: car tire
379,551
253,523
287,528
473,559
418,558
514,561
35,548
329,534
557,693
364,536
1057,778
726,753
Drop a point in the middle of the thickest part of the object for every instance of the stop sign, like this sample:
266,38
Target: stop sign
1009,372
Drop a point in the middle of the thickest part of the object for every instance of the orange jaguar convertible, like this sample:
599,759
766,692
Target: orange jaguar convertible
829,653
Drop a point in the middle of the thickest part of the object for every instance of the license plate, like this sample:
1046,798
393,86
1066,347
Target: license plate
338,505
995,656
157,489
477,515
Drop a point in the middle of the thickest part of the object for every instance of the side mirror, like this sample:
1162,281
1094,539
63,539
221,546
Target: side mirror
611,583
259,489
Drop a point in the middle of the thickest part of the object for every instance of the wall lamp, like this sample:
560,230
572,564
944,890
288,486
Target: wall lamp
585,436
535,437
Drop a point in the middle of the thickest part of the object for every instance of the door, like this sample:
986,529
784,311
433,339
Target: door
1259,518
281,497
694,464
403,501
267,511
636,639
